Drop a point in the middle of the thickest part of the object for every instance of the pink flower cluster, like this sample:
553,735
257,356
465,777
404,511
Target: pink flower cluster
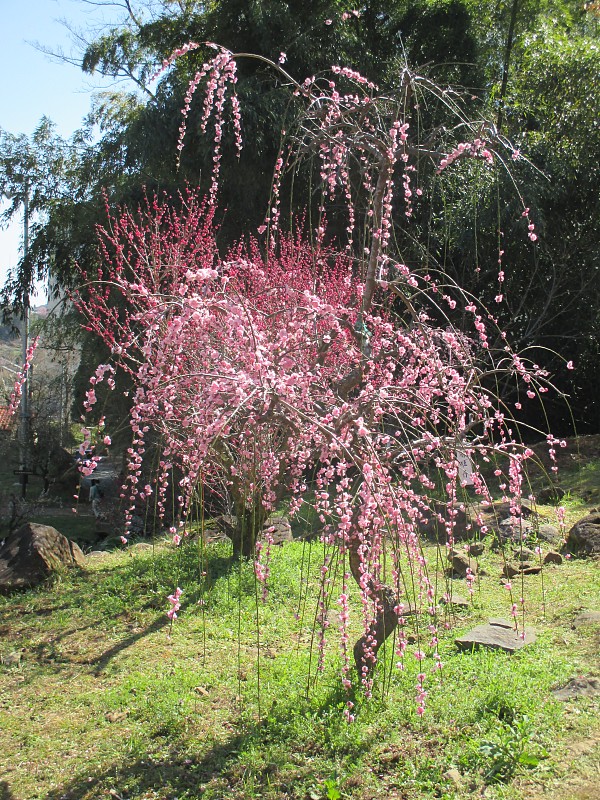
475,149
15,397
220,75
175,604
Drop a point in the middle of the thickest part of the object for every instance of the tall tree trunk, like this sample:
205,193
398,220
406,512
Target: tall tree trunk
506,63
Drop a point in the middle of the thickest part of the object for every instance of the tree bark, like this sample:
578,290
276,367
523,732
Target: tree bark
243,530
385,622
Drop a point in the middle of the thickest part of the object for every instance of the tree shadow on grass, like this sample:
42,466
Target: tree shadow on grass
5,792
174,775
101,662
47,652
255,757
217,567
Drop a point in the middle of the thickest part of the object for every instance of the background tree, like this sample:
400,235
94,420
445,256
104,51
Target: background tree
34,173
549,103
512,55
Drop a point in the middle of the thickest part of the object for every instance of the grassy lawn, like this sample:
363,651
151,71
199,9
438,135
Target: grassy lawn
99,697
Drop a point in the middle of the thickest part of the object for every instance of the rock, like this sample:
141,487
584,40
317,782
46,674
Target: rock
455,602
226,523
524,554
578,687
212,535
406,610
531,569
550,495
514,529
141,547
497,634
476,548
500,622
584,537
510,570
587,618
32,553
502,510
453,776
552,557
137,526
525,568
116,716
460,563
433,524
519,523
549,533
279,529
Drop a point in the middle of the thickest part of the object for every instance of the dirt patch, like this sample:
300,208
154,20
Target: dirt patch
579,774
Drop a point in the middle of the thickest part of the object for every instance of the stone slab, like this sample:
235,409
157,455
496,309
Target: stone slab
497,634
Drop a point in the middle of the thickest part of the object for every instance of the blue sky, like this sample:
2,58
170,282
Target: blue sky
32,85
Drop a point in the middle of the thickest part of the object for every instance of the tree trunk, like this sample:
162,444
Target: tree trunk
243,530
385,622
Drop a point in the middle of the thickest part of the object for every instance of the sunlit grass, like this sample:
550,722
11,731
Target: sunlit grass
228,703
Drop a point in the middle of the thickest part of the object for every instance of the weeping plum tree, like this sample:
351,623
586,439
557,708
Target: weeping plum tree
304,354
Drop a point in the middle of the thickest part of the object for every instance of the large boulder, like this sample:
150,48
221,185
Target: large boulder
32,553
584,537
435,522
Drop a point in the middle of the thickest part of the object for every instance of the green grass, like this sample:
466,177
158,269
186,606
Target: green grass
80,528
107,698
101,697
